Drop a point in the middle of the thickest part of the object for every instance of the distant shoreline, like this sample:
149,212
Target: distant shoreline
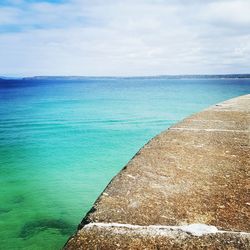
219,76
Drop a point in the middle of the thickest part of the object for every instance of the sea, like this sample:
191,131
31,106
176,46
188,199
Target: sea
62,139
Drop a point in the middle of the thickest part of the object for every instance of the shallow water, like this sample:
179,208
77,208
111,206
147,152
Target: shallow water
62,141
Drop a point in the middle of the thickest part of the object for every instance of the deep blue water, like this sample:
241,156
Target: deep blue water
61,141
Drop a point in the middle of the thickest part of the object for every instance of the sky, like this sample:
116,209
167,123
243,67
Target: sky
124,37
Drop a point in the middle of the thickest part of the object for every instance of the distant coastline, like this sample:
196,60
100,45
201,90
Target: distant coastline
207,76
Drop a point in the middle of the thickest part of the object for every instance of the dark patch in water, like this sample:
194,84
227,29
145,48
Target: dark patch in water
34,227
18,199
4,210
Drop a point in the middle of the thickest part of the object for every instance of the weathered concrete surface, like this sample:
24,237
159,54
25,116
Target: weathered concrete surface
124,238
195,172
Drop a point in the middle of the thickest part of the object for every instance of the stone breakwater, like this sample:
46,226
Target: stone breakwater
187,188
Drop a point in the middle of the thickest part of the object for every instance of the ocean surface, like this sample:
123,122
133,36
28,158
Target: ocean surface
61,142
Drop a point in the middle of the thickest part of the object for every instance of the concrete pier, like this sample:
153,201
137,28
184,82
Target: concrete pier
188,188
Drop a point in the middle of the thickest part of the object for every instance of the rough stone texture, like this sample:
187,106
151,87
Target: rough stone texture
110,239
195,172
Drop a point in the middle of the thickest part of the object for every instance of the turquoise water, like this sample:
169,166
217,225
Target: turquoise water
62,141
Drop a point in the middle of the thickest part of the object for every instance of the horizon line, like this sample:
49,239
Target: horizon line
245,75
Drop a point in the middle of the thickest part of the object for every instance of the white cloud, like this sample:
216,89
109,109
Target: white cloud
125,37
9,15
229,12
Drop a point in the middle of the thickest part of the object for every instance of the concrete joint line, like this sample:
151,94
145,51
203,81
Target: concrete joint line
194,229
211,130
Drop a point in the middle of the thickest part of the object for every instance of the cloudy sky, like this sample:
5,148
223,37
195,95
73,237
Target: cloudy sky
124,37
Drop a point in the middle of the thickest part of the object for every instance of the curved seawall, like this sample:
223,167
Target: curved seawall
186,188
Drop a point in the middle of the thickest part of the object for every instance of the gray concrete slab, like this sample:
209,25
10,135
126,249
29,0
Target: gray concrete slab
195,172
